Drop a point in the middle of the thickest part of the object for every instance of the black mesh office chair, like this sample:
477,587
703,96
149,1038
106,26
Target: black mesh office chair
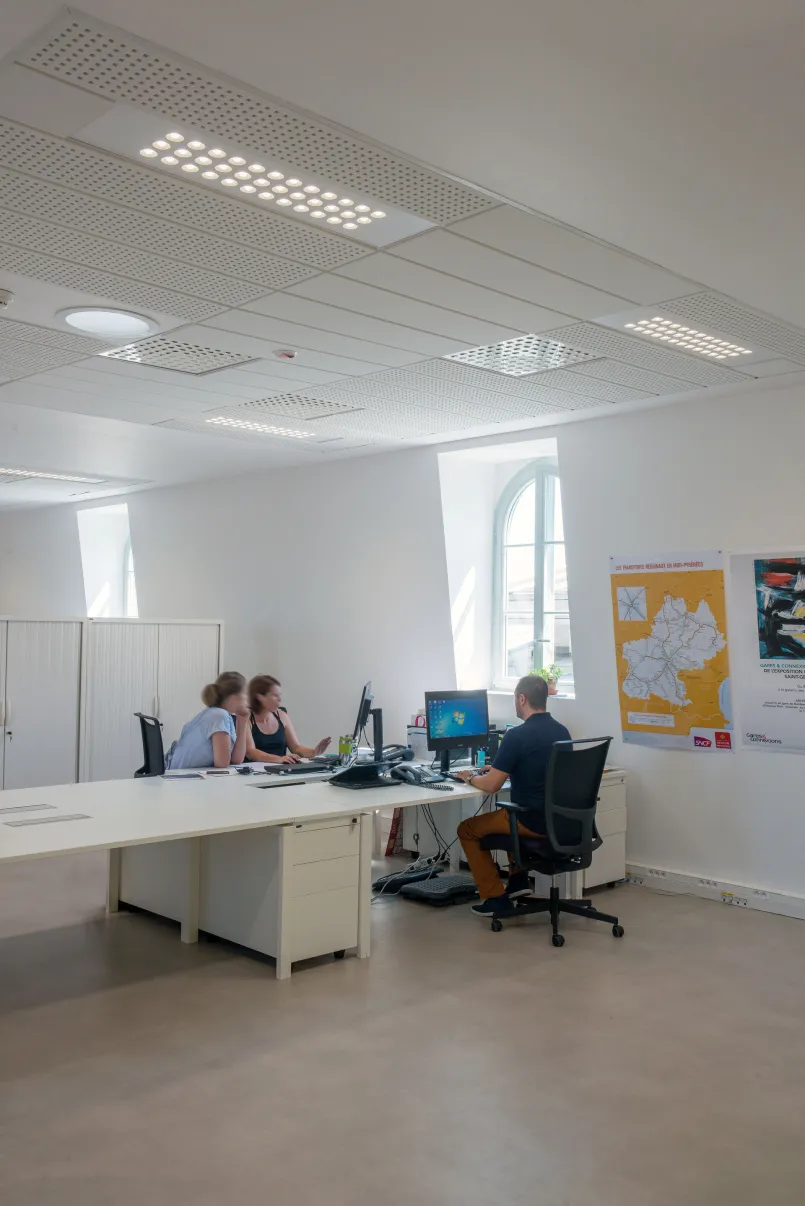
571,794
153,752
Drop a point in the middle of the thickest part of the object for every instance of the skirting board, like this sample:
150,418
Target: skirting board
718,890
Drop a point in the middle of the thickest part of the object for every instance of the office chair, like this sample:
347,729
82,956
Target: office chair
571,793
153,751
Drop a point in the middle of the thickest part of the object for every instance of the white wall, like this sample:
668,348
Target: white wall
331,574
469,496
103,535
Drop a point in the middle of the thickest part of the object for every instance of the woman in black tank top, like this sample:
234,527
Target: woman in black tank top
273,737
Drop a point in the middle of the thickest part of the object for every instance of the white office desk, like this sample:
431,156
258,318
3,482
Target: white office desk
284,869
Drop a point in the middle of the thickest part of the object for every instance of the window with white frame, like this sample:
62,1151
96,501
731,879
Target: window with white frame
530,612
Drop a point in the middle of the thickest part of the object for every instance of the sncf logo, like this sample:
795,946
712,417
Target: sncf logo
723,741
702,742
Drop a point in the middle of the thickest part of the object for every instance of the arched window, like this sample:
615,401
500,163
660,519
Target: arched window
530,607
129,584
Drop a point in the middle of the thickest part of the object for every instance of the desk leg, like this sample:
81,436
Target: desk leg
113,881
376,833
190,922
284,965
365,885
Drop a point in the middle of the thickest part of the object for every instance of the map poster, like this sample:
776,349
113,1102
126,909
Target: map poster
768,605
671,643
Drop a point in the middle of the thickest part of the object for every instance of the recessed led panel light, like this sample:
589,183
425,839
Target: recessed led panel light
522,356
262,428
107,324
688,338
173,148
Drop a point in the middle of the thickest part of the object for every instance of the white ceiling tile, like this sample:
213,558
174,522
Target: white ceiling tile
378,303
570,253
79,402
140,390
413,280
471,262
247,385
291,335
346,322
264,349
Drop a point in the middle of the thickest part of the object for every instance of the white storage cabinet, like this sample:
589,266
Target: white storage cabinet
153,666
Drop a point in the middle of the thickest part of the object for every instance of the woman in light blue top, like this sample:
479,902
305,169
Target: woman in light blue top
217,736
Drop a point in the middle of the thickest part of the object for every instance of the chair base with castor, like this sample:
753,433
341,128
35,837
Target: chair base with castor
571,793
555,905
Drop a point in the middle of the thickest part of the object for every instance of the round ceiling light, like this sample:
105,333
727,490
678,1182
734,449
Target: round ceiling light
108,324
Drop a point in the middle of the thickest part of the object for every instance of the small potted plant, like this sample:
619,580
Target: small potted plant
551,674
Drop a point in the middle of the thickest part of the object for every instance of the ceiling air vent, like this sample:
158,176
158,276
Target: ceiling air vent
521,356
160,352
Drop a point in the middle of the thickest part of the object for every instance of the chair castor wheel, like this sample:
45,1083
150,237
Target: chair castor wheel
618,931
558,939
339,954
496,926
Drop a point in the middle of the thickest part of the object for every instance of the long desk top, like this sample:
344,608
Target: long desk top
131,812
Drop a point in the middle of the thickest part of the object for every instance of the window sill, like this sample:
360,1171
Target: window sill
508,691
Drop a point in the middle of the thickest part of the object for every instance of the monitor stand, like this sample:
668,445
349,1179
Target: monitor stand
444,763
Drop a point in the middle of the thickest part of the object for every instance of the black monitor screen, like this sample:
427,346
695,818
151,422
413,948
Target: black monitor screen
456,719
362,718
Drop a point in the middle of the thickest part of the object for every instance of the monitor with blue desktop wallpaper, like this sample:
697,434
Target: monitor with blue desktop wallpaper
456,719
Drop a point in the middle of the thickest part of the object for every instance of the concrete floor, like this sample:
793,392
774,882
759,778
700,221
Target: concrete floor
456,1067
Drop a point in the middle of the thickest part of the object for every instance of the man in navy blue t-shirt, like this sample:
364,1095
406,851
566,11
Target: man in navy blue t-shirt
523,759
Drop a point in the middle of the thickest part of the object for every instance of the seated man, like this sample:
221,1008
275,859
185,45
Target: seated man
522,758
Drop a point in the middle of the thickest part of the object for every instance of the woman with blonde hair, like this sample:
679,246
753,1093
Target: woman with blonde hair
217,736
272,737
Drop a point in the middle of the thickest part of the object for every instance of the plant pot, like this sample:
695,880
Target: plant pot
553,686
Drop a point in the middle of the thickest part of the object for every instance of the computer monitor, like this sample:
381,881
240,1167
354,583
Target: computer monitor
363,711
455,720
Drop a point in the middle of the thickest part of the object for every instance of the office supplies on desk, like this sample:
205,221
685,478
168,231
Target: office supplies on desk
416,775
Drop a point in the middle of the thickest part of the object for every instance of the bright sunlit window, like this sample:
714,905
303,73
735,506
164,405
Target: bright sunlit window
107,561
530,613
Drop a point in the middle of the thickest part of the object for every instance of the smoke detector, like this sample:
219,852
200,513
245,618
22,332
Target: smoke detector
6,298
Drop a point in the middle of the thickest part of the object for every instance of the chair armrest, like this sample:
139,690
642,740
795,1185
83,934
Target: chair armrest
513,808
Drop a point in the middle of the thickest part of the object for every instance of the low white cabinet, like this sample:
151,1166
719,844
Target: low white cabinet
292,891
609,861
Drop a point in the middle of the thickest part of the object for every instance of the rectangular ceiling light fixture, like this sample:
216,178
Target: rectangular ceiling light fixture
688,339
254,176
522,356
13,475
287,433
161,352
715,337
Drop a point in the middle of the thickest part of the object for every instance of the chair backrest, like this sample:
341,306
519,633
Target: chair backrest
153,751
572,782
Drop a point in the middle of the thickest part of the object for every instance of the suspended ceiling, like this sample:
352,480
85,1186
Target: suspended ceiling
402,334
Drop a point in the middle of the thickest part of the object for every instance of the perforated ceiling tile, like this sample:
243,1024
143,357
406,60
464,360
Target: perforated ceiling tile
627,374
606,391
114,64
300,406
605,343
713,311
161,352
521,356
102,175
127,261
524,394
104,285
13,331
26,349
101,218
